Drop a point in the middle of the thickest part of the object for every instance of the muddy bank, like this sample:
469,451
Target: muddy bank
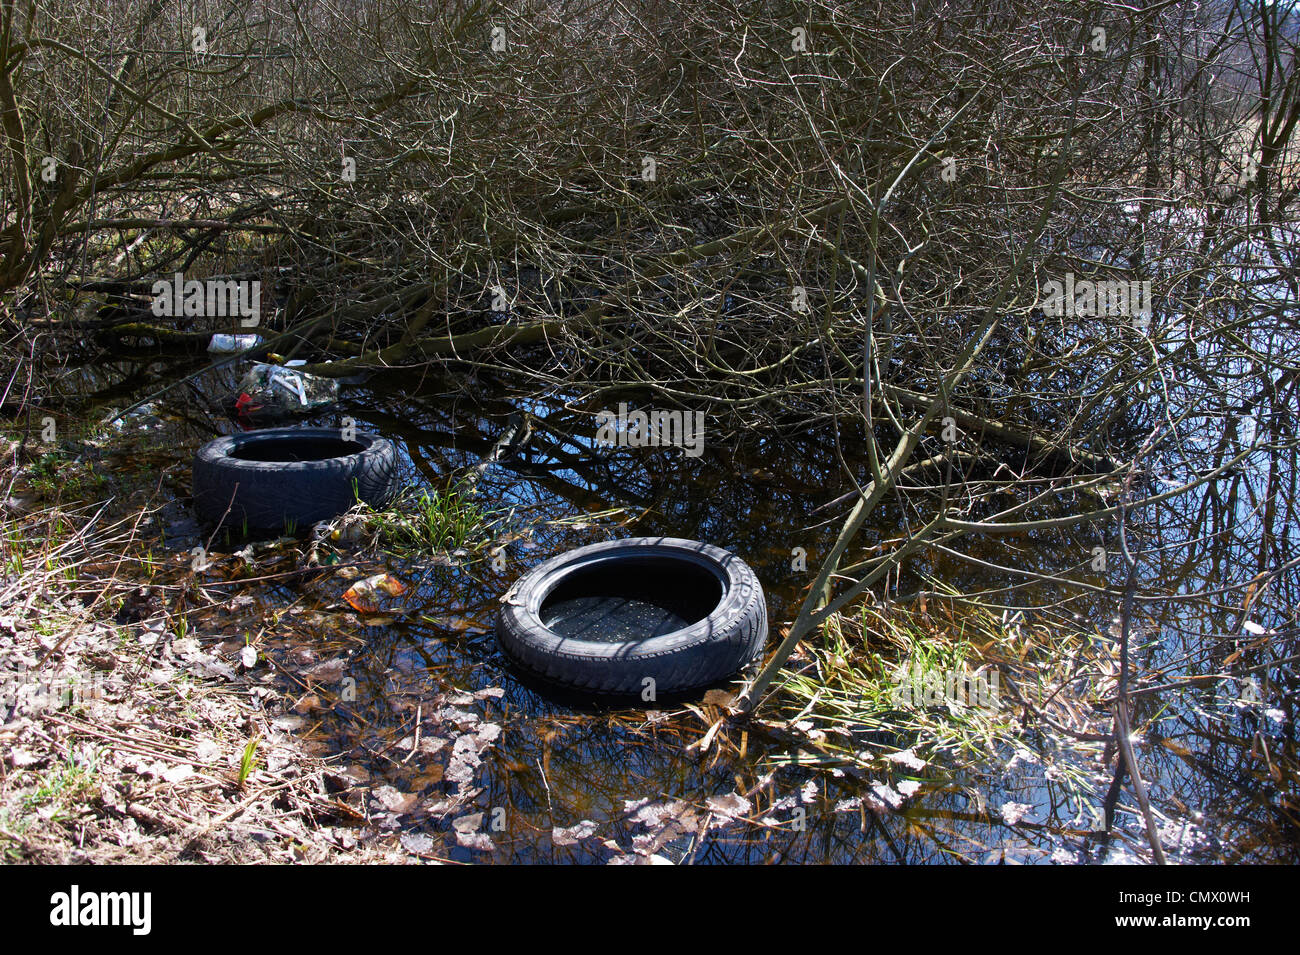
128,734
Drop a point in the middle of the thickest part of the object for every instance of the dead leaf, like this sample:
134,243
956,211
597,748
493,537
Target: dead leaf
416,842
572,835
393,801
330,671
479,841
1013,812
302,656
178,773
468,823
887,795
719,698
307,703
907,758
727,808
24,757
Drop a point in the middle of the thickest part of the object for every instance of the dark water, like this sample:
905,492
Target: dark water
611,619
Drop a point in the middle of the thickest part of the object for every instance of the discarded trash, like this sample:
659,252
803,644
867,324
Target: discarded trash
365,596
269,390
233,344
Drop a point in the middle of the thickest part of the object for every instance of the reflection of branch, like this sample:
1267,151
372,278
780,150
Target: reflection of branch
589,469
1053,450
1123,730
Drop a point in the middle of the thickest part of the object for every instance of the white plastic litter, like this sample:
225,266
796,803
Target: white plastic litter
233,344
284,388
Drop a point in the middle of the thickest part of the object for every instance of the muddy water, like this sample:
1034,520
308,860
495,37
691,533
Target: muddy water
443,745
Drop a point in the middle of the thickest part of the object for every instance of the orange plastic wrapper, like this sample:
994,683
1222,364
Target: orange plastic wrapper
365,595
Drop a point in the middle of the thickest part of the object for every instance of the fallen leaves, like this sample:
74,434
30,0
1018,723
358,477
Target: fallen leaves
20,757
886,798
178,773
674,823
667,822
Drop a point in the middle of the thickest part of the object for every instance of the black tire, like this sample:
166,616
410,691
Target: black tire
289,478
695,656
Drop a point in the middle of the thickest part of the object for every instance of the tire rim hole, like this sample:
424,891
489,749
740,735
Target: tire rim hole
296,449
631,599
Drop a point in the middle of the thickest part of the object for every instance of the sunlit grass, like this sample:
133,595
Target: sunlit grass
431,521
248,762
961,688
57,794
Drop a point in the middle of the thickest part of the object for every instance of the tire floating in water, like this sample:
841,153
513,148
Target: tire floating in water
287,478
606,618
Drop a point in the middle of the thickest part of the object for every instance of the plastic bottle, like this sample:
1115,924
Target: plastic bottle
232,344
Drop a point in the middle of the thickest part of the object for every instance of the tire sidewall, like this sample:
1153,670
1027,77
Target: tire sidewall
264,493
726,628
